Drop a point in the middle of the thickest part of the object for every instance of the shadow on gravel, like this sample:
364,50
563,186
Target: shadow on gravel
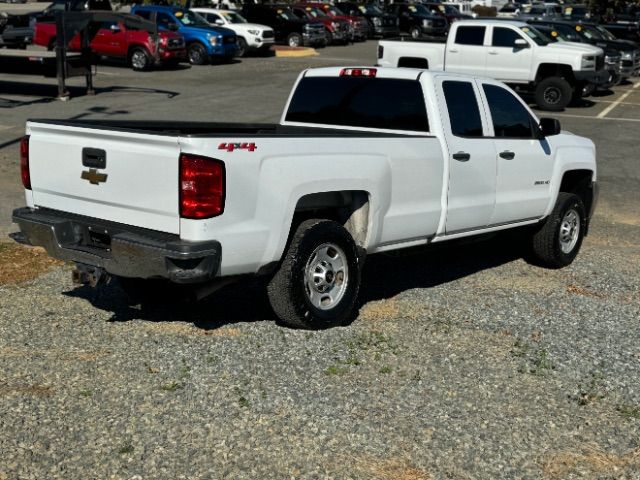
384,276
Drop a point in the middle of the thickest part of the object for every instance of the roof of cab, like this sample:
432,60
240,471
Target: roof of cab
483,21
386,72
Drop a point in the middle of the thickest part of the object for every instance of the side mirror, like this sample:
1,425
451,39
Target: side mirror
219,22
549,126
115,28
520,43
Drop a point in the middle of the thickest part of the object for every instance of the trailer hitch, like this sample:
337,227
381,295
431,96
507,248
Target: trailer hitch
89,275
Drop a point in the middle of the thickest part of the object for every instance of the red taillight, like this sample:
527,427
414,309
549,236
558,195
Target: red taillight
201,186
358,72
24,162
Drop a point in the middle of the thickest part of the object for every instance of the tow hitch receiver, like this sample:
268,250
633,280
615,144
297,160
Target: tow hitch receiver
89,275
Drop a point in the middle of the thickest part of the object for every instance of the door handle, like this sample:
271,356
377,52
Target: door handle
507,155
461,156
453,50
492,52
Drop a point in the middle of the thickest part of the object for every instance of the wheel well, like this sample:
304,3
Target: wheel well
546,70
134,47
413,62
350,208
579,183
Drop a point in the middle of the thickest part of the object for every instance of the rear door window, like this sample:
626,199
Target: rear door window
385,103
510,118
470,35
462,104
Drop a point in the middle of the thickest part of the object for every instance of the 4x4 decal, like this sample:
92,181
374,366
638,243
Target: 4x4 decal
230,147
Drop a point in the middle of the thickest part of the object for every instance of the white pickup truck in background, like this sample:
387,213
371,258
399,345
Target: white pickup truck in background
363,160
510,51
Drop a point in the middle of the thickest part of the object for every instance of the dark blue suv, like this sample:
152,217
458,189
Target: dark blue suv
204,41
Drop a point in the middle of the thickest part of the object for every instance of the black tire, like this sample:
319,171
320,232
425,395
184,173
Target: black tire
289,291
242,47
197,54
294,40
52,45
140,59
553,94
415,32
548,244
329,36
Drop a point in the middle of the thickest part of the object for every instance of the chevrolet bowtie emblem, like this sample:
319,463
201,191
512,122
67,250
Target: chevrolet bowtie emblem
94,176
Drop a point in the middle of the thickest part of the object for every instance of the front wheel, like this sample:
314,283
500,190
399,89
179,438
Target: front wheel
197,54
294,40
558,241
318,282
242,47
139,59
415,32
553,94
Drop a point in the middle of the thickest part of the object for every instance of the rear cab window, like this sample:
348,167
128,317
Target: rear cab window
381,103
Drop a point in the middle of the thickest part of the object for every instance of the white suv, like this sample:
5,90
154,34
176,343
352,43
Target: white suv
251,36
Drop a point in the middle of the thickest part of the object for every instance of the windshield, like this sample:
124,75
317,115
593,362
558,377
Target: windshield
535,35
606,34
190,19
537,10
287,14
591,33
421,9
371,9
556,36
233,17
334,12
315,12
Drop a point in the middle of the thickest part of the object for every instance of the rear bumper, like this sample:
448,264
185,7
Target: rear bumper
119,249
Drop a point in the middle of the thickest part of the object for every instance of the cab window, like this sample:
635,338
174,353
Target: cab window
470,35
462,105
504,37
510,118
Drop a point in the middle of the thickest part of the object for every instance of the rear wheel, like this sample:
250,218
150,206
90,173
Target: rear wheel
318,282
294,40
553,94
197,54
415,32
140,59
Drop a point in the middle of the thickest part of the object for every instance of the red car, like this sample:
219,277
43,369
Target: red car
337,31
359,25
114,40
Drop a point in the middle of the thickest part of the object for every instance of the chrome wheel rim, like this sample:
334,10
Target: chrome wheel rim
294,41
138,59
552,95
195,55
326,276
569,231
415,33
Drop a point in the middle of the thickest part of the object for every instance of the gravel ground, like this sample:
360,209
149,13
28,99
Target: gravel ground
474,364
465,361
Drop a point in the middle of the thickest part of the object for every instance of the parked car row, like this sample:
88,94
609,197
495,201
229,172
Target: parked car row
517,53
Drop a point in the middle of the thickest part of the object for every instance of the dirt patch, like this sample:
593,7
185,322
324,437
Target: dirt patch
388,469
585,292
57,354
20,264
380,310
176,328
27,390
592,461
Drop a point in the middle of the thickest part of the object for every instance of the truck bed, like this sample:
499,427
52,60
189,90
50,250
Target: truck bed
211,129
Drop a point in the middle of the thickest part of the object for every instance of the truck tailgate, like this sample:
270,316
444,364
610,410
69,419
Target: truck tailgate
137,185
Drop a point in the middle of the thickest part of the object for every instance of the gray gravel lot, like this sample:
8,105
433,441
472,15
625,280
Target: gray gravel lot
465,361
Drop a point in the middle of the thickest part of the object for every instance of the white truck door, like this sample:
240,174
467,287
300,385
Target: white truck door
466,52
525,161
471,157
507,60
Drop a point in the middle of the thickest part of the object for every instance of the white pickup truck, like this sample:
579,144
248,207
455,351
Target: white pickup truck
363,160
510,51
